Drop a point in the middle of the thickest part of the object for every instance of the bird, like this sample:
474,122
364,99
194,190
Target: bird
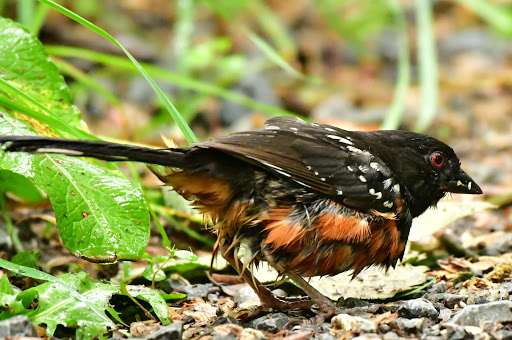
309,199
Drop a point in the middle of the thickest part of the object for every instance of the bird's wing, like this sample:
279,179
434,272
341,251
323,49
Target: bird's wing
328,160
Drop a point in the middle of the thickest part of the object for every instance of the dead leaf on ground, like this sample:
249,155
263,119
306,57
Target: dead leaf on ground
371,283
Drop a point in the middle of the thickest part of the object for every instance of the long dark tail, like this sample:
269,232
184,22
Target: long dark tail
100,150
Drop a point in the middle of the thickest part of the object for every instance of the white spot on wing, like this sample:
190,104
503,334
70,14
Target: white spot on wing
378,194
388,204
272,127
353,149
469,185
340,139
349,168
387,183
362,178
322,179
329,129
316,173
294,129
376,166
396,188
364,169
339,192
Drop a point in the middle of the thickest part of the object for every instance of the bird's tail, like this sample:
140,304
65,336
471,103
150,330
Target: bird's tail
96,149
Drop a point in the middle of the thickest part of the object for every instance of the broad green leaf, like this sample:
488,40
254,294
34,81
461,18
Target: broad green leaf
20,186
25,65
101,215
56,307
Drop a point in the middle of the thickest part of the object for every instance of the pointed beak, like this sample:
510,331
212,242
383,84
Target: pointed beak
461,184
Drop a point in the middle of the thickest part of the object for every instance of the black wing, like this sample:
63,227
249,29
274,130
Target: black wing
329,160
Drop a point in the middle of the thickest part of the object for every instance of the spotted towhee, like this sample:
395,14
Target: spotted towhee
309,199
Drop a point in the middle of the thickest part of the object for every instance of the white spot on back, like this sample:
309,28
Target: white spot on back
322,179
309,167
339,192
316,173
362,178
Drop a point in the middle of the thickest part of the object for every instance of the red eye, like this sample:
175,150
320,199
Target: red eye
437,159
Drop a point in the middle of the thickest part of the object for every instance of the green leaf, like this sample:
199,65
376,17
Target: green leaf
185,255
26,258
57,307
149,274
68,301
25,65
185,129
20,186
101,215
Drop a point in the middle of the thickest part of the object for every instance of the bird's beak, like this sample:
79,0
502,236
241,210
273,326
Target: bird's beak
461,184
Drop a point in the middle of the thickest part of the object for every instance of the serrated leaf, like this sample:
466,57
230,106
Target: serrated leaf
101,215
57,307
25,65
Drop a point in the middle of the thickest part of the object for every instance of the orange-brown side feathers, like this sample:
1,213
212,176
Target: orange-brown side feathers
384,247
209,192
321,263
342,228
282,233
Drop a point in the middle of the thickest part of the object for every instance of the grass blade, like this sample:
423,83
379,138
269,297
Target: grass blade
427,65
394,115
185,129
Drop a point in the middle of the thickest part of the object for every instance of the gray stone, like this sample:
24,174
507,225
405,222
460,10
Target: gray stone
474,315
324,336
245,293
506,287
410,325
445,314
270,323
390,335
439,287
199,290
474,40
418,308
169,332
17,326
503,334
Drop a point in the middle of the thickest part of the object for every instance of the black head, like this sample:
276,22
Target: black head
427,167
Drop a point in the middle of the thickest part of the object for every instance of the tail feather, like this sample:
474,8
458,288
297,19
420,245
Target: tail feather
96,149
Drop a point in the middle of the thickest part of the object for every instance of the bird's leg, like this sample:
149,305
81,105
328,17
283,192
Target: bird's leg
327,306
267,298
